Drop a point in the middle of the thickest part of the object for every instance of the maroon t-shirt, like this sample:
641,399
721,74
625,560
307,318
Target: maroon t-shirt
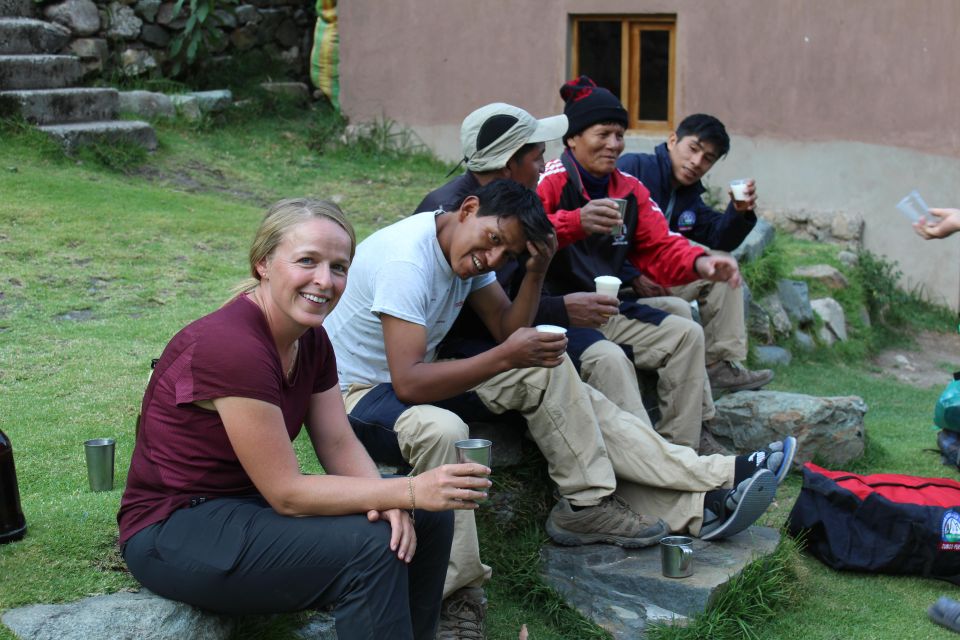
182,450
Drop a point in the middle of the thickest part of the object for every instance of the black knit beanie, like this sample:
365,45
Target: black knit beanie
587,104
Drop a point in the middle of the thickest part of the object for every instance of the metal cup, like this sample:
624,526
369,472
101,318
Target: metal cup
474,450
99,454
676,556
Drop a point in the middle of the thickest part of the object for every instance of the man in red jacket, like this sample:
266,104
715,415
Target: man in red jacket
579,192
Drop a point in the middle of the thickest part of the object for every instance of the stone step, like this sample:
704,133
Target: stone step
26,35
112,131
17,8
61,106
623,590
38,72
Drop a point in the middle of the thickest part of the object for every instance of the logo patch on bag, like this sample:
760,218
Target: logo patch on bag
686,220
950,531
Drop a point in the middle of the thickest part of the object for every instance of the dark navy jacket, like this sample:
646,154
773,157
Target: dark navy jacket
691,215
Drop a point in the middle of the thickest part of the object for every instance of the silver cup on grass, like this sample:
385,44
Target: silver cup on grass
100,455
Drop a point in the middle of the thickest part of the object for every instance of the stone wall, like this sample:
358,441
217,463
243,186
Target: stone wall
133,37
844,229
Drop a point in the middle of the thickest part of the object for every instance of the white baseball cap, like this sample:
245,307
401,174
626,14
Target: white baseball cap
493,133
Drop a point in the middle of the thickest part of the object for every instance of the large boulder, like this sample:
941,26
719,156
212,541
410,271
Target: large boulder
830,429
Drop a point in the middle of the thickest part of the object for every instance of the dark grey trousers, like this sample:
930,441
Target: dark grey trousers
238,556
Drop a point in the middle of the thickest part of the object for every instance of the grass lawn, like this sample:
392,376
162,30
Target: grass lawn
98,269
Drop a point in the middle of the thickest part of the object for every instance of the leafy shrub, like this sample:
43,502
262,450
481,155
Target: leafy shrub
201,35
885,300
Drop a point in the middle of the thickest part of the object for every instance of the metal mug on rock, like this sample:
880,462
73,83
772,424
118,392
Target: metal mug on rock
676,556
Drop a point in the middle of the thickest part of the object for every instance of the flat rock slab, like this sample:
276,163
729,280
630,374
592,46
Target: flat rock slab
118,616
624,590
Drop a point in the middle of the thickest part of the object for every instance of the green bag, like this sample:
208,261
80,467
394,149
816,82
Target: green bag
946,414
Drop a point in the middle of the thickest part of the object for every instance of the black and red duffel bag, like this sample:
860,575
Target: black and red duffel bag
882,523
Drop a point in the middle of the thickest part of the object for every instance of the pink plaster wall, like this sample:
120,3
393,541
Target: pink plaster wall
876,71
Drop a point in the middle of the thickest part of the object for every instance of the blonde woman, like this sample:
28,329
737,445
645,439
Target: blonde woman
216,512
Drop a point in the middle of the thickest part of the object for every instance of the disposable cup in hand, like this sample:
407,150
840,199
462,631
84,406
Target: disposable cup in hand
100,453
549,328
608,285
913,206
739,189
474,450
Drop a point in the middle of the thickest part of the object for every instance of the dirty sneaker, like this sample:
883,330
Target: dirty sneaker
777,457
727,377
463,615
610,522
728,512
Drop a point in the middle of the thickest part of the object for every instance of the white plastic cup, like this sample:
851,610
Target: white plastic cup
913,206
608,285
549,328
739,189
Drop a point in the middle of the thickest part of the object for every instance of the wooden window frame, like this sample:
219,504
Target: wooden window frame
631,27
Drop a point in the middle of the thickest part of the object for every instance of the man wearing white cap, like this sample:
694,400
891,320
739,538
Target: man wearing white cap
503,141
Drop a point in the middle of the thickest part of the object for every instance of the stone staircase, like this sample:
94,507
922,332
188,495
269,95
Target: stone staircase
39,82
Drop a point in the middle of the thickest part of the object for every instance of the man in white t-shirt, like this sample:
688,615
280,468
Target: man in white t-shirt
407,284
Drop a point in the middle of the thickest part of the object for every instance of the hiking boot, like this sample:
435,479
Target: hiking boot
727,377
709,444
463,615
610,522
726,513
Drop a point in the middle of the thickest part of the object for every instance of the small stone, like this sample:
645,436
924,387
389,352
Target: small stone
772,355
848,258
147,9
824,273
123,22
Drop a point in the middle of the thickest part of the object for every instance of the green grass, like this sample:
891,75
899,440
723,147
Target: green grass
138,253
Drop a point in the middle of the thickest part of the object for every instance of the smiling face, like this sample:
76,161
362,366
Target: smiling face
597,148
483,243
690,158
302,280
526,167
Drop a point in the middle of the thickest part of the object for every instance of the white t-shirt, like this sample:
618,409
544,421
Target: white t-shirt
400,271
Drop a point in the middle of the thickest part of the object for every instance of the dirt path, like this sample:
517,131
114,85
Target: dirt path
930,363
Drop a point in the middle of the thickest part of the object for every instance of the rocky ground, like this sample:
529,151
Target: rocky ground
929,362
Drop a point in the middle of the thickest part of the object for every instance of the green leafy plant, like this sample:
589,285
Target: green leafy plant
201,34
885,300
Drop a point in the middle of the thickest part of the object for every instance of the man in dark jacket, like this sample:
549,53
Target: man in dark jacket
673,176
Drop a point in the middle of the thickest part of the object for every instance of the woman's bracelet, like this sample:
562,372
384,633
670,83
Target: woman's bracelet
413,499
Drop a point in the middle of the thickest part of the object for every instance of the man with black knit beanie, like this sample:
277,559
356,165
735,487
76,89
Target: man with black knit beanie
578,192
